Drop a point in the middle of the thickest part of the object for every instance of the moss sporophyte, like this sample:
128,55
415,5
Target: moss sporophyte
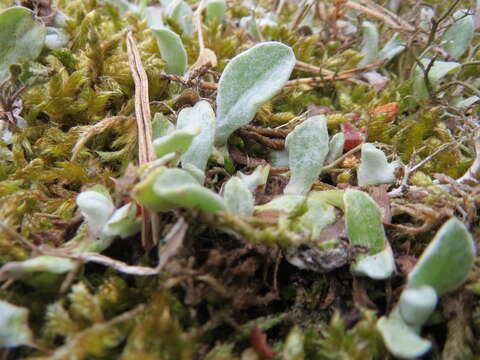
239,180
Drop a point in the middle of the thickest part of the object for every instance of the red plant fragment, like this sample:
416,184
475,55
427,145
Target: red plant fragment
353,137
258,340
391,109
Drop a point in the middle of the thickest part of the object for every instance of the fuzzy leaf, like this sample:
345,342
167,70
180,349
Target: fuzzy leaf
172,51
459,35
307,147
96,208
335,147
364,227
14,330
179,11
22,269
370,43
401,339
166,189
215,9
437,72
201,116
123,222
258,177
374,168
392,48
22,38
161,126
178,141
248,81
294,345
446,262
416,305
238,197
153,15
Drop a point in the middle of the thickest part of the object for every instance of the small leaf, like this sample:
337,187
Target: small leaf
215,9
374,168
446,262
96,208
20,270
181,13
401,339
307,147
370,43
14,329
363,220
258,177
178,141
200,116
248,81
172,51
167,189
238,197
123,222
335,146
459,35
21,38
392,48
56,38
294,345
153,15
416,305
161,126
437,72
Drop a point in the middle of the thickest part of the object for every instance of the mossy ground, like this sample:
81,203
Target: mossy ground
217,288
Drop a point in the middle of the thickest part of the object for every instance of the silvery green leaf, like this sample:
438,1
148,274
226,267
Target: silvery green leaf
21,38
172,51
370,43
198,174
392,48
123,222
307,147
285,203
363,220
258,177
401,340
167,189
466,102
335,147
332,197
318,215
14,329
179,11
416,305
96,208
153,15
161,126
248,81
22,269
426,16
200,116
459,35
237,197
294,345
279,158
374,168
215,9
379,266
177,141
56,38
446,262
437,72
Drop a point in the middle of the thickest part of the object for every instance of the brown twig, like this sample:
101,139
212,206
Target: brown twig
144,126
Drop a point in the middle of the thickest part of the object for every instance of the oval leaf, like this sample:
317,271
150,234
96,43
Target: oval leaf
374,168
172,51
96,208
416,305
370,43
446,262
181,13
307,147
248,81
459,35
215,9
238,197
14,330
21,37
202,117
